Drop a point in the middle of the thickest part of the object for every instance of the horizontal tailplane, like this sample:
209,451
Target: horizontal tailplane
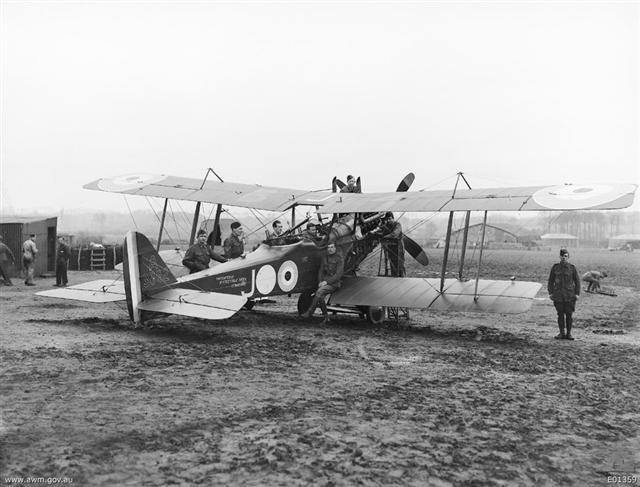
100,291
199,304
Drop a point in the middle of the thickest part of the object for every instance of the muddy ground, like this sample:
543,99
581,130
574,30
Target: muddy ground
267,398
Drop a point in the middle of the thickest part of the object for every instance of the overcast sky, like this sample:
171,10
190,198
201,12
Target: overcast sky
291,94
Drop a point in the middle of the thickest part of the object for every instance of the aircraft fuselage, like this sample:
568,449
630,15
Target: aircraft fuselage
267,271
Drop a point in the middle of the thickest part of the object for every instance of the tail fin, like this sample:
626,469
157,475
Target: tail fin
145,272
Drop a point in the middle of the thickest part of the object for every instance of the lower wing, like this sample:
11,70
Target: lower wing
412,292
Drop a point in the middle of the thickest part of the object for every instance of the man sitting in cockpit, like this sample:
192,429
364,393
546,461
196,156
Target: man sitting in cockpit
310,234
276,237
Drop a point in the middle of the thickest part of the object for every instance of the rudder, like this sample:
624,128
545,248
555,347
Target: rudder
145,273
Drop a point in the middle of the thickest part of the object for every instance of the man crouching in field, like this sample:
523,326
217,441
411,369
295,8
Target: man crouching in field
564,289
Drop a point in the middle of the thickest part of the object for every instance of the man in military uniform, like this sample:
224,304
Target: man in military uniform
329,280
63,253
351,186
390,232
5,256
275,237
29,252
592,278
234,244
200,254
310,234
564,289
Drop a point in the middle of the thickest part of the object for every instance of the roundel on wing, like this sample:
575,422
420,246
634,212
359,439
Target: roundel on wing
570,197
288,276
266,279
129,182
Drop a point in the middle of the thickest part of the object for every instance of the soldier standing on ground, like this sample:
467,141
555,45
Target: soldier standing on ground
5,256
29,252
63,254
564,289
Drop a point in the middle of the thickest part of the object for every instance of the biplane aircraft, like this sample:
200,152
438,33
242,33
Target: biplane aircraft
291,265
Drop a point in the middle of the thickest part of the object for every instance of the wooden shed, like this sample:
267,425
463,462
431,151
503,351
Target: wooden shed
16,229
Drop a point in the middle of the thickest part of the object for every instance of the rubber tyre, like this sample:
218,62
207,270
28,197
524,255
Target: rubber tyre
304,302
375,314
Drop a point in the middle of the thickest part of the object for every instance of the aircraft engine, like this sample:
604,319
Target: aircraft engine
342,230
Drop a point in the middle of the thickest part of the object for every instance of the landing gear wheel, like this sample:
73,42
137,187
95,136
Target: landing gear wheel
304,302
375,314
362,312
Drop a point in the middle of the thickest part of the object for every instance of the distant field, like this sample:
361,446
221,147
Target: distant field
623,268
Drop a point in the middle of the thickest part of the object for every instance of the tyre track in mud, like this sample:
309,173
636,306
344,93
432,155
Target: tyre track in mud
266,398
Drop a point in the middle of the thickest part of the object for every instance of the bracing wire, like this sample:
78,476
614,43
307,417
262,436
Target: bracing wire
184,214
175,222
130,212
166,230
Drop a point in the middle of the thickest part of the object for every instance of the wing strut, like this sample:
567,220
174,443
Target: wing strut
216,226
448,238
465,234
196,214
466,230
484,227
216,223
164,214
194,226
445,258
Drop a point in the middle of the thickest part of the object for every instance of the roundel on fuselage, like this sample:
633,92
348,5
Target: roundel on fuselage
266,279
288,276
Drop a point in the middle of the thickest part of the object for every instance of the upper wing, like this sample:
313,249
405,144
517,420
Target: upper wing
533,198
412,292
232,194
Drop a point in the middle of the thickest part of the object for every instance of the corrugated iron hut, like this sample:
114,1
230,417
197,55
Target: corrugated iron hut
16,229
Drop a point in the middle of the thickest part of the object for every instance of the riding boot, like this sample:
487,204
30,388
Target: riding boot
569,324
312,308
560,327
325,311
